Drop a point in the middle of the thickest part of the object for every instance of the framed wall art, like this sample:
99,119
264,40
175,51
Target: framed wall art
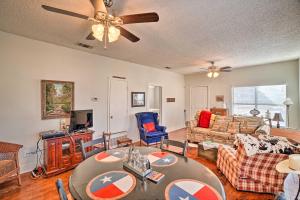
137,99
219,98
57,99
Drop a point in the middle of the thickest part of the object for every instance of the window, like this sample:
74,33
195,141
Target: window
263,98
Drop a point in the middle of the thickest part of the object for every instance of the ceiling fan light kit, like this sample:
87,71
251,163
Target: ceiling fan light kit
213,74
214,71
99,32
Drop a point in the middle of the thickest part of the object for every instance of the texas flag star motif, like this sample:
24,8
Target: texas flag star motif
162,159
181,198
187,189
111,185
105,179
109,156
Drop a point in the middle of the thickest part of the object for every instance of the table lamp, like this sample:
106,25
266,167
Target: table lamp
278,118
288,102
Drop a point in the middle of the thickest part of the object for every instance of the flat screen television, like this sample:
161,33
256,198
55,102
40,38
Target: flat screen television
81,120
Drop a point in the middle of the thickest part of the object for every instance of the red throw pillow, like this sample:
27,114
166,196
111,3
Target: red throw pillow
204,119
150,127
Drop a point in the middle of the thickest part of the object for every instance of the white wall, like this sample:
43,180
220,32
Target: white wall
268,74
25,62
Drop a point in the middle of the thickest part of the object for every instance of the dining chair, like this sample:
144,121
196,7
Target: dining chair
174,146
61,190
92,147
107,139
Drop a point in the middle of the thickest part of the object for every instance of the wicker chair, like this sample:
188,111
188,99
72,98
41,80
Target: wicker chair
9,162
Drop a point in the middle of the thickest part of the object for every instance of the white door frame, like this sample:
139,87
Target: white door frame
161,103
194,86
109,97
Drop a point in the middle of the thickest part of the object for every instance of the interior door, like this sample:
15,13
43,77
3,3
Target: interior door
198,99
155,100
118,106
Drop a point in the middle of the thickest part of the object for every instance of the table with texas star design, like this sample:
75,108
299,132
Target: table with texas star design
102,176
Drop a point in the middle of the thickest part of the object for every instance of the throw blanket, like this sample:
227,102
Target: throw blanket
265,144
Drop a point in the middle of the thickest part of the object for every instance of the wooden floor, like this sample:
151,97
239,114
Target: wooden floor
45,188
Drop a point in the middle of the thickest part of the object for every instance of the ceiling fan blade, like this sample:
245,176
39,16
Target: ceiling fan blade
99,6
129,35
64,12
203,69
90,36
226,69
140,18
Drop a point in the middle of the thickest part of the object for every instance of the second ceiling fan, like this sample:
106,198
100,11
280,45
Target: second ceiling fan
106,27
214,71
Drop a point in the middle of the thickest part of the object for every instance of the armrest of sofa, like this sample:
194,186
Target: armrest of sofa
191,124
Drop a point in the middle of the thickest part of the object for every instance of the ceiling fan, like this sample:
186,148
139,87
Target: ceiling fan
106,27
214,71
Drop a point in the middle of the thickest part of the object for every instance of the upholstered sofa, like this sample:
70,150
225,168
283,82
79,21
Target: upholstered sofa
254,173
222,129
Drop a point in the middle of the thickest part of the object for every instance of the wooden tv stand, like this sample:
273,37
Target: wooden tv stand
64,153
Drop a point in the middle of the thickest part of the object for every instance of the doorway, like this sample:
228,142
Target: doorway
198,99
155,100
118,105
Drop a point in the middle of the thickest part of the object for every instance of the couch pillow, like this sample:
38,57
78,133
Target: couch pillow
150,126
248,124
212,120
233,127
249,127
204,119
220,125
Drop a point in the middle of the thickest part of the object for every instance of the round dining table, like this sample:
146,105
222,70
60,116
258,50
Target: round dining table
184,168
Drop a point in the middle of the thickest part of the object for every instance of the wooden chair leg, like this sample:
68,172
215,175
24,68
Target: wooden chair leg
18,168
19,179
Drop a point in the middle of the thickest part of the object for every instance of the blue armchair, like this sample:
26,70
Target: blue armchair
154,136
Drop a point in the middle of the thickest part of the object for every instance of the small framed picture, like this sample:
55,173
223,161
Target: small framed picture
220,98
137,99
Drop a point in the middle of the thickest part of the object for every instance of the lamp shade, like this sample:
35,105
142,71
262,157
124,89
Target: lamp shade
288,102
278,117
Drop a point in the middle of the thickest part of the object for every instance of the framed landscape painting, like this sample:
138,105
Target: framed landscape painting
57,99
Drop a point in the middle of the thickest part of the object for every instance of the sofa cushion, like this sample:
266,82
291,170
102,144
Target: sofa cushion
6,166
204,119
248,124
156,134
249,127
200,130
221,123
220,135
234,127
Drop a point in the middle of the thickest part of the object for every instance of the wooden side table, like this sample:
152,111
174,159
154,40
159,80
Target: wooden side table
219,111
124,142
